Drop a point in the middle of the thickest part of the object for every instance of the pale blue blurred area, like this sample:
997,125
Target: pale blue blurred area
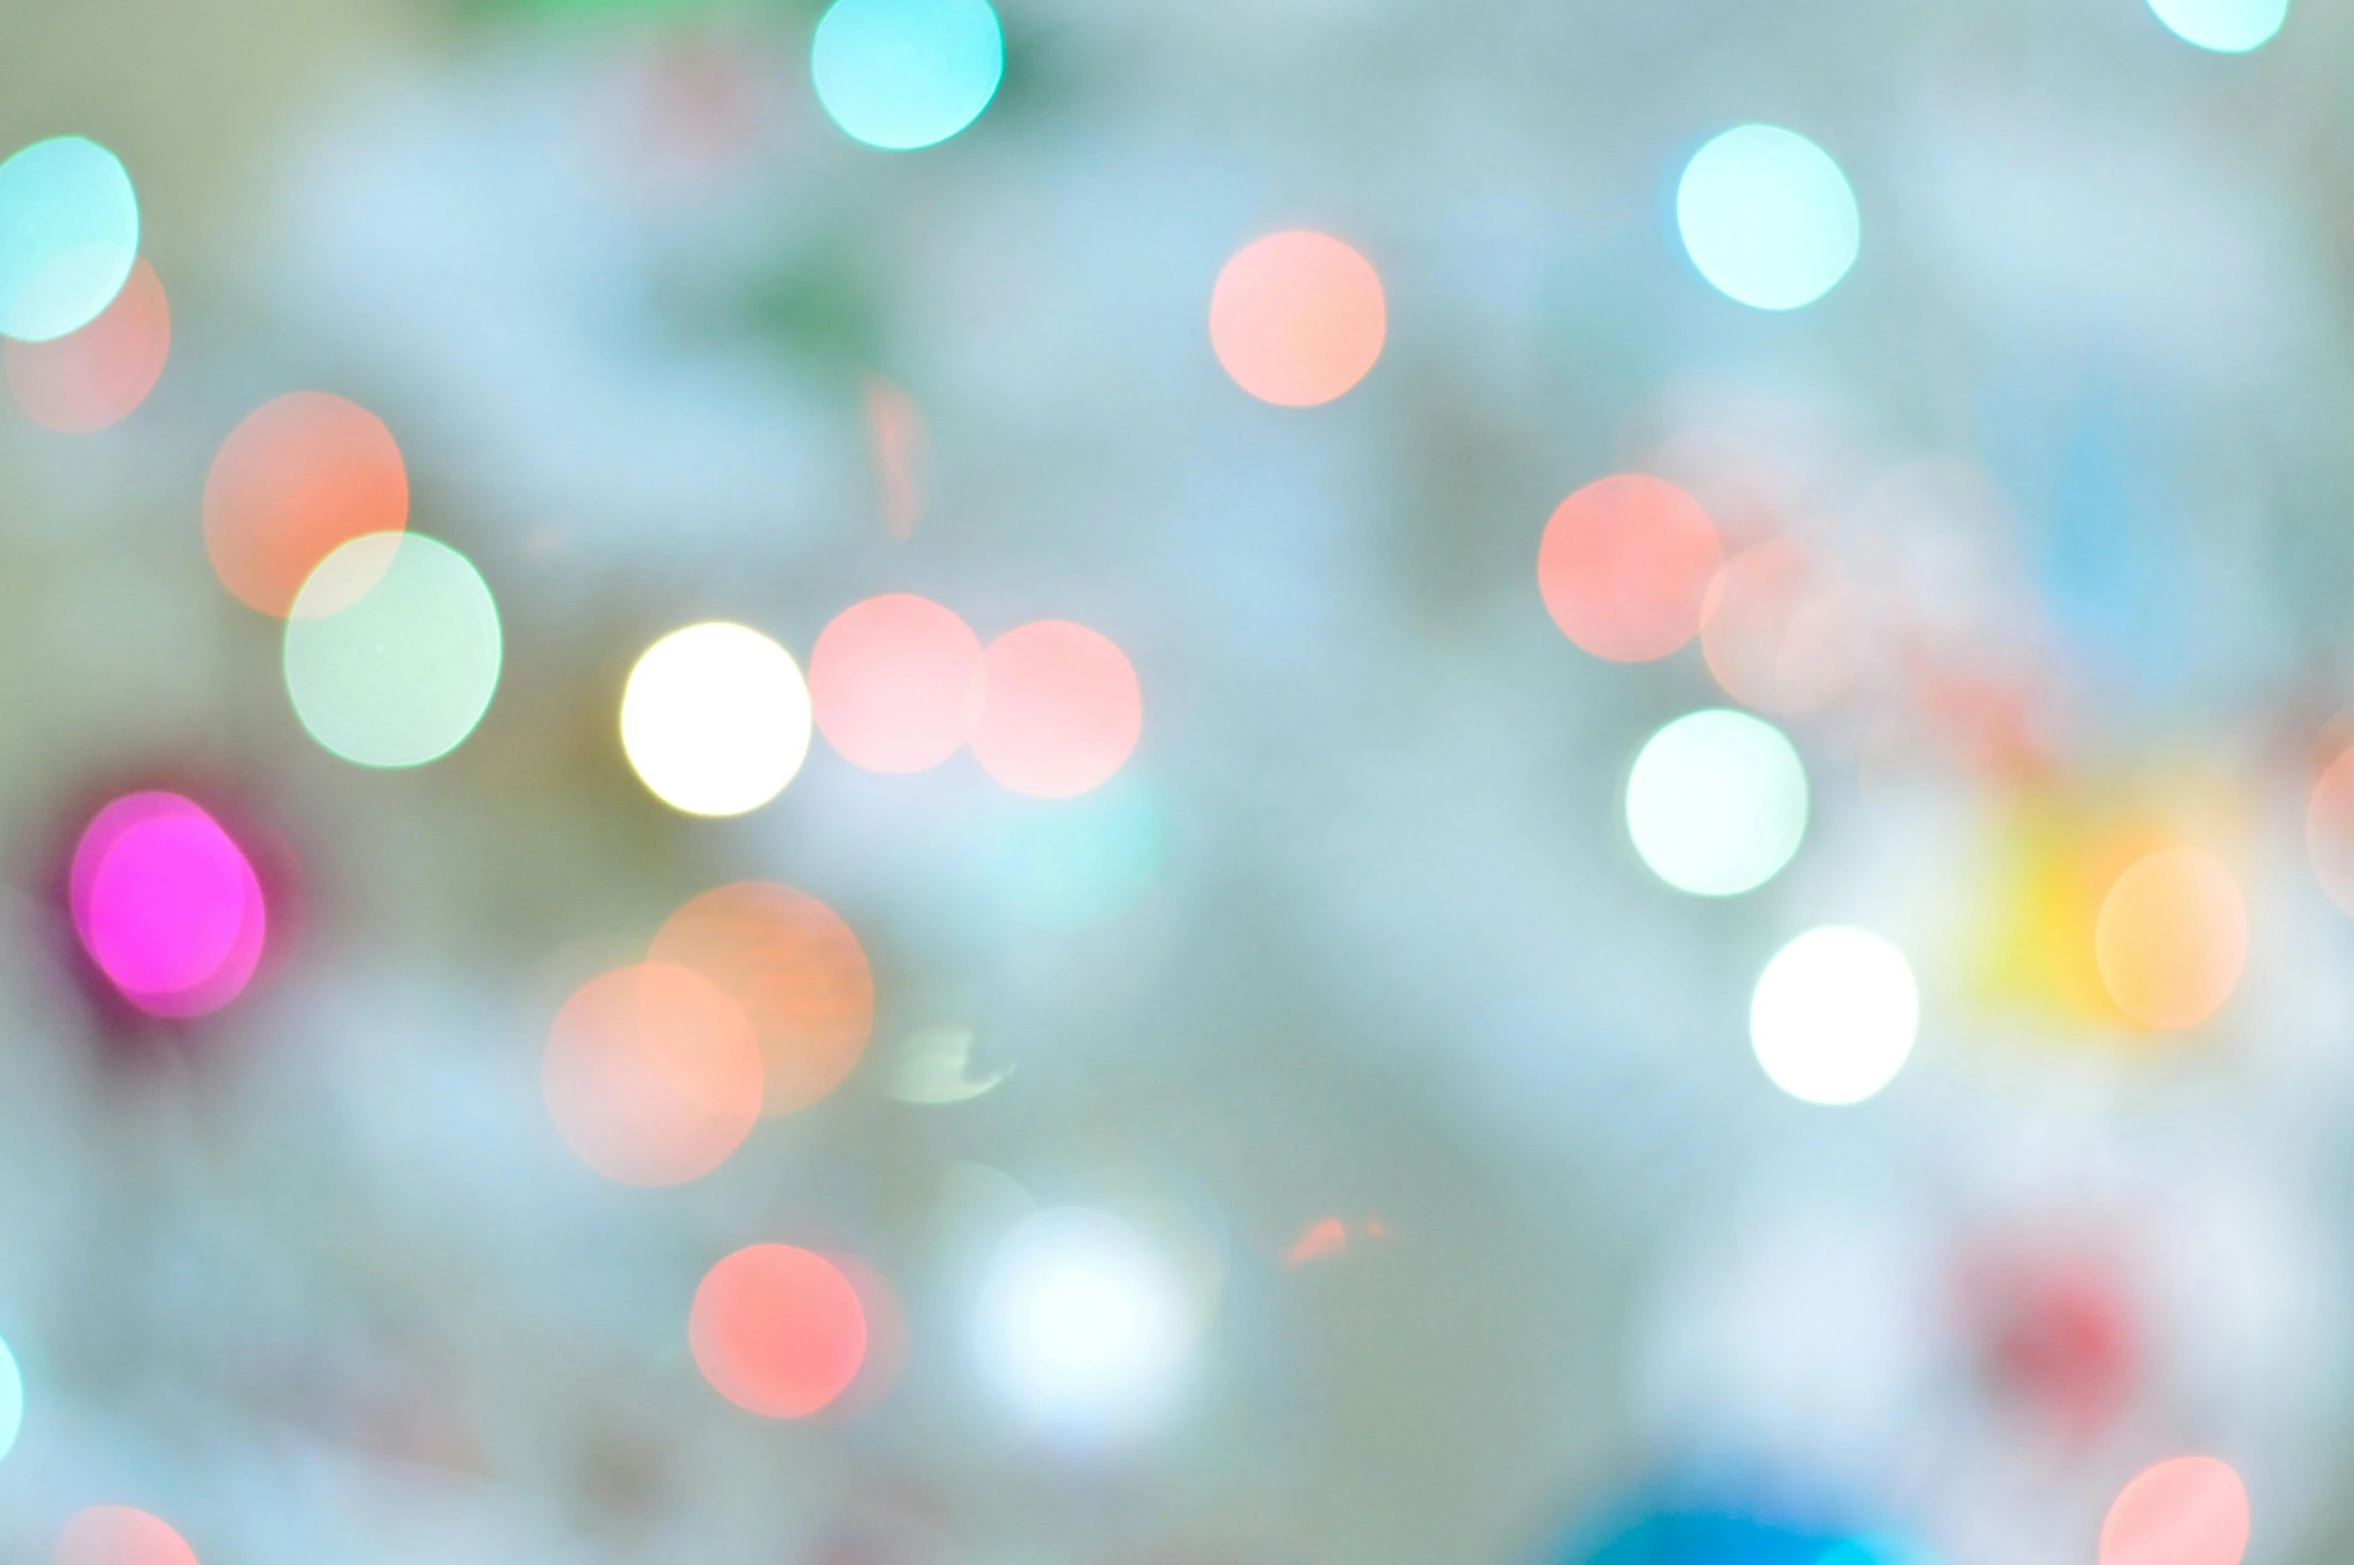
1357,935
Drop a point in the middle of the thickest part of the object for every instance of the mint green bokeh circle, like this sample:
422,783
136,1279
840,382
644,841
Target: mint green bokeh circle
69,231
901,74
1717,803
12,1400
1768,217
392,661
2224,26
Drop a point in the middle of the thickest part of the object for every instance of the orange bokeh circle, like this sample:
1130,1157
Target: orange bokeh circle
2192,1510
652,1074
1297,318
1063,710
120,1535
1625,564
302,474
895,683
796,970
91,378
2171,938
778,1331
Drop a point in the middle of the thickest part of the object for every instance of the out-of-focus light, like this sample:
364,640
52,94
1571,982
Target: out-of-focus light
2055,1331
895,683
69,233
901,444
2171,938
652,1074
798,972
301,476
1076,864
1320,1240
167,904
933,1066
87,379
1876,1549
715,719
2043,874
1833,1017
393,650
1778,634
1062,709
2225,26
1720,1529
12,1400
2192,1510
1082,1327
1625,567
778,1331
1297,318
1767,217
1716,803
901,74
2329,831
119,1535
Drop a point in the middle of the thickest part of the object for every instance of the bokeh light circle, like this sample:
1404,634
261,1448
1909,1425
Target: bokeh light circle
715,719
1625,566
778,1331
1062,709
88,379
2329,830
12,1400
2192,1510
120,1535
895,683
2224,26
1081,1324
393,650
1834,1014
298,477
1717,803
1297,318
652,1074
1767,217
795,968
901,74
69,233
167,905
2171,938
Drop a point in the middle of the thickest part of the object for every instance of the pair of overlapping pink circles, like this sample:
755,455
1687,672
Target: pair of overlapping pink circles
899,683
167,905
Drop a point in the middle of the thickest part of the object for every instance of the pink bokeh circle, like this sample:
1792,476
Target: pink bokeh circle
167,905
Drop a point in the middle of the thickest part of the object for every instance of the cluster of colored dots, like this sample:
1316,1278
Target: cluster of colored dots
1631,568
753,999
716,718
757,1000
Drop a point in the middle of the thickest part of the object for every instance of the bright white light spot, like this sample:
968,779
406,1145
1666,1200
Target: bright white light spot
2225,26
1082,1327
715,719
1834,1015
1716,803
1767,217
